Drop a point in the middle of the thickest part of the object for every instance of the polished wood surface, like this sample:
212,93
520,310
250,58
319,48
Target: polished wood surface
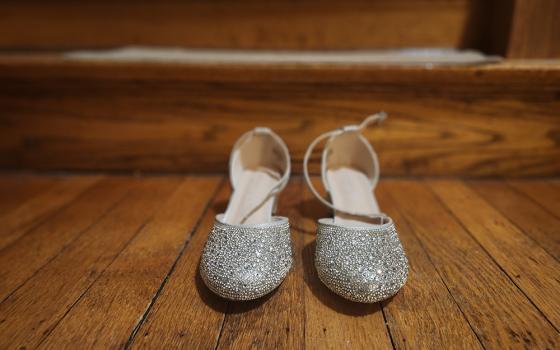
117,266
489,120
535,29
323,24
510,28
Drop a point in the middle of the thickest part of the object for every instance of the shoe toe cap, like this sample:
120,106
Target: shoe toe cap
367,285
245,283
245,265
361,266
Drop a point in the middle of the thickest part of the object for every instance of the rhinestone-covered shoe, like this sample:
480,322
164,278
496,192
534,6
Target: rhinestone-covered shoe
358,254
244,262
363,264
249,250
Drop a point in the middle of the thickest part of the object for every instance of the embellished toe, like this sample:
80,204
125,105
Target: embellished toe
244,262
365,264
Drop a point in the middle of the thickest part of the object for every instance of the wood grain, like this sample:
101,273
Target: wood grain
424,314
276,321
332,322
33,311
470,121
498,312
125,277
17,222
535,29
100,318
527,264
186,314
24,257
17,189
541,193
325,24
528,216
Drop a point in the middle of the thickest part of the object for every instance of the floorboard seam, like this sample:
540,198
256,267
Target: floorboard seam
80,234
492,258
95,280
443,281
511,222
142,319
222,327
531,199
387,325
35,224
301,236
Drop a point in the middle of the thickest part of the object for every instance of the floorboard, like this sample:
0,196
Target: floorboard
16,222
499,313
135,275
35,309
112,262
424,315
27,255
528,216
16,189
527,264
186,314
541,193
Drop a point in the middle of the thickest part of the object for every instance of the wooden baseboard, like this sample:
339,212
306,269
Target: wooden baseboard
493,120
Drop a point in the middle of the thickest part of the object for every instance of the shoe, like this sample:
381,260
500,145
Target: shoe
249,251
358,255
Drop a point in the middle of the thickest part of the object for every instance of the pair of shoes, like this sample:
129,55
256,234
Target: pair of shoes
358,253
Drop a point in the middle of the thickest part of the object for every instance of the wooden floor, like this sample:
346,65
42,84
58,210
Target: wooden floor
111,261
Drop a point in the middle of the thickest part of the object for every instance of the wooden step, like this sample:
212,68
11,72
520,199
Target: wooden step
512,28
323,24
59,113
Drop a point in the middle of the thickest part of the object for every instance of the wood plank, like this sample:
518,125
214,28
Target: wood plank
249,24
424,314
29,315
18,221
158,117
186,314
541,193
332,322
276,321
24,257
498,312
535,29
16,189
100,319
528,265
528,216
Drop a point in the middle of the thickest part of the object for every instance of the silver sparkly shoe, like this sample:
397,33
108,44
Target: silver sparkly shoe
249,251
358,255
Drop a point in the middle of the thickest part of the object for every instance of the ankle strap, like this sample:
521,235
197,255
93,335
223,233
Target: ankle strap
375,118
282,182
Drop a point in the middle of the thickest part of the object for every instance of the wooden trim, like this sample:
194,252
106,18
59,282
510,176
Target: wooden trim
494,120
326,24
535,31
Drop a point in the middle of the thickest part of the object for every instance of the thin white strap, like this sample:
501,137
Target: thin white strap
282,182
375,118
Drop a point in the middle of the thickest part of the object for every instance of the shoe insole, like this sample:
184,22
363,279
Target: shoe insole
251,188
350,189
